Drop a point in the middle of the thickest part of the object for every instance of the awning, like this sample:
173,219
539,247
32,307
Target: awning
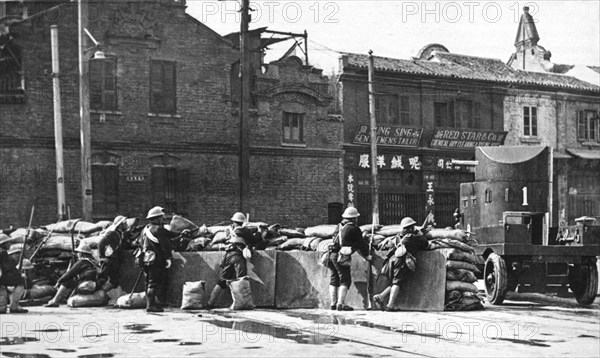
511,155
585,153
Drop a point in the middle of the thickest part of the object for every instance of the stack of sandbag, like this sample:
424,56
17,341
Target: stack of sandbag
41,293
461,261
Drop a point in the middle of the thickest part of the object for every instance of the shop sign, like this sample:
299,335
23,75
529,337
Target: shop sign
466,138
390,135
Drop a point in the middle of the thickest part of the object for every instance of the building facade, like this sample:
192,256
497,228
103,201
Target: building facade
164,121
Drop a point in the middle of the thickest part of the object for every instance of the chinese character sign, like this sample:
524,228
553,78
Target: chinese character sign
350,189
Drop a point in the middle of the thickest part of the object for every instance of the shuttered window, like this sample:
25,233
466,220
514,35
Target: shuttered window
443,113
170,188
293,127
530,121
386,109
103,84
105,190
163,97
587,125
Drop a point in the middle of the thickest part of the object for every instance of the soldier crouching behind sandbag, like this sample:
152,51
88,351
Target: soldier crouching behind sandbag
82,276
109,253
400,261
347,240
157,255
10,276
233,265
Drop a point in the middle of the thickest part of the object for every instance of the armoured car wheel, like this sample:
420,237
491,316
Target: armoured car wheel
495,278
583,281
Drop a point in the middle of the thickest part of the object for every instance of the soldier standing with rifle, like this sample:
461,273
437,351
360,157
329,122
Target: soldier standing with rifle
10,276
109,253
156,257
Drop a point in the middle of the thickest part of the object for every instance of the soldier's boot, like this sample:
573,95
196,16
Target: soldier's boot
61,295
108,286
342,293
333,295
381,298
151,305
15,297
394,293
213,297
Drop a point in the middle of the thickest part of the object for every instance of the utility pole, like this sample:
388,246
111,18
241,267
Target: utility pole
245,82
84,115
58,138
374,180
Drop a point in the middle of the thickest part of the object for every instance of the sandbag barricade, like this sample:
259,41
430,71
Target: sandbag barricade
461,267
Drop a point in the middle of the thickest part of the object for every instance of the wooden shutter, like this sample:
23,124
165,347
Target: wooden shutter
110,85
169,87
159,182
183,190
96,83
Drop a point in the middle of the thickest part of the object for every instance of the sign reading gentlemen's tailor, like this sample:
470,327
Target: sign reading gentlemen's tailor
466,138
400,136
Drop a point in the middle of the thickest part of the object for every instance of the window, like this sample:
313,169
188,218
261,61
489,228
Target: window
105,189
404,110
530,121
386,109
162,87
587,126
293,127
170,188
463,114
476,115
443,113
103,84
235,83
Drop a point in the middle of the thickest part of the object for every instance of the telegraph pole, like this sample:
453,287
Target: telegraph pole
58,138
374,180
245,82
84,116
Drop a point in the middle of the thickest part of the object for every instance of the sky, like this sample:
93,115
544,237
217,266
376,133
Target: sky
399,29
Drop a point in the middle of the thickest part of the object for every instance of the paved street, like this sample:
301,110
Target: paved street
527,325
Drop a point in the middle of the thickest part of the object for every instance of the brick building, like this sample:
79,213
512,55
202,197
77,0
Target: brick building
164,121
561,112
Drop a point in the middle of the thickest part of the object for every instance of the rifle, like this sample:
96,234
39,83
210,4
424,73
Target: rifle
43,242
370,272
73,255
26,238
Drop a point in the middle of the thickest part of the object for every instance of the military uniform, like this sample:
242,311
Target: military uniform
157,239
233,264
109,253
349,236
85,269
10,275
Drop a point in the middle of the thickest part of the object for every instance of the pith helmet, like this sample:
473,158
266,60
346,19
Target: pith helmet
406,222
350,213
4,238
238,217
155,211
118,221
27,265
84,248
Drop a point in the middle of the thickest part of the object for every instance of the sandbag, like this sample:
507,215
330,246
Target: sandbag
59,242
324,231
455,234
324,245
460,286
291,233
19,235
137,300
459,255
179,223
255,225
198,244
389,230
215,247
451,264
92,241
192,297
276,241
40,291
310,243
213,230
96,299
466,303
3,299
66,226
460,275
367,229
291,244
219,238
241,294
